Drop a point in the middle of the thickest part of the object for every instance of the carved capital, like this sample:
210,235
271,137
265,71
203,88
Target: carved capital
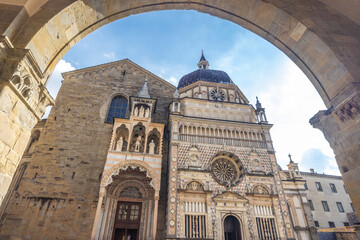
349,111
20,71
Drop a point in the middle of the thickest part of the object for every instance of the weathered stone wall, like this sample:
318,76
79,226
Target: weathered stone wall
58,194
23,99
15,129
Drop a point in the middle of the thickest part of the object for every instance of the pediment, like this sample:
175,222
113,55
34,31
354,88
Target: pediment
117,65
229,196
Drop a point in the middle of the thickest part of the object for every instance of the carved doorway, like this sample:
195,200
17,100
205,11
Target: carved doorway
127,221
232,228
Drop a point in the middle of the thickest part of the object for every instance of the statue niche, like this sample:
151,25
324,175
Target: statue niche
194,157
138,138
141,110
153,142
121,140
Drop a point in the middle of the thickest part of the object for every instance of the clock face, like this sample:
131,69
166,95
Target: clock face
217,95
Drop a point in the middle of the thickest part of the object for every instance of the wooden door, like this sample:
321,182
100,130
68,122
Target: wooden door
127,221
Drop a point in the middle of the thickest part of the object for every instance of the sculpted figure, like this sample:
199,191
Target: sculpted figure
152,147
194,161
136,112
138,144
141,111
147,113
119,144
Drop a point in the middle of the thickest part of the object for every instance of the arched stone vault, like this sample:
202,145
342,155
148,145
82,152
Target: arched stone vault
325,49
322,37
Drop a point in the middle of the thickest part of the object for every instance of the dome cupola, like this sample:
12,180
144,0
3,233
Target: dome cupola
204,74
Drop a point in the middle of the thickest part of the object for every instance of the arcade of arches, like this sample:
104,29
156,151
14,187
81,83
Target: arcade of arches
36,34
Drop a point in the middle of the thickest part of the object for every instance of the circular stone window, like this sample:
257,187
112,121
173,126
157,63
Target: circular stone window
217,95
226,169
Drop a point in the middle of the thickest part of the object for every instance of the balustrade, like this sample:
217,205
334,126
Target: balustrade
222,141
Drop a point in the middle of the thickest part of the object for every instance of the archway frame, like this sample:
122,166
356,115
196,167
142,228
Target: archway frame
325,46
241,225
292,36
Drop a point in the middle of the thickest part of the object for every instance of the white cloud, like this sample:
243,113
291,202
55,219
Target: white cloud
290,102
54,82
173,80
288,96
110,55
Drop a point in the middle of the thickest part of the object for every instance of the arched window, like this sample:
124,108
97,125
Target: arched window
117,108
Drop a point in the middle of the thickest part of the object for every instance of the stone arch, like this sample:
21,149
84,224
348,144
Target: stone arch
143,167
233,215
282,25
155,137
260,189
122,133
194,186
323,50
137,140
119,188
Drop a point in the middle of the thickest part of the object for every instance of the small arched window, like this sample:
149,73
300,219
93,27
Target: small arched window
117,108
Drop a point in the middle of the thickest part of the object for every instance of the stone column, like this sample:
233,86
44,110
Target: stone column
23,99
341,128
96,226
156,205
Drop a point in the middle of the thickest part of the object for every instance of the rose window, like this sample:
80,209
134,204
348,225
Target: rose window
223,170
217,95
226,169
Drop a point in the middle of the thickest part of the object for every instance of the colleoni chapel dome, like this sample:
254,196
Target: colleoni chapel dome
204,74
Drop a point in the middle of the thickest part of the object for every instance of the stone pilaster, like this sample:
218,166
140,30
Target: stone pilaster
172,210
23,100
341,128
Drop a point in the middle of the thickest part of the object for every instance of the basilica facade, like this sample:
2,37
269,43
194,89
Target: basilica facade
126,155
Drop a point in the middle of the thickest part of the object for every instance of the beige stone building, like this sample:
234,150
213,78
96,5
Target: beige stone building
329,200
125,154
35,35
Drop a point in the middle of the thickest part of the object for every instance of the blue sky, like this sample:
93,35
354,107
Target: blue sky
169,44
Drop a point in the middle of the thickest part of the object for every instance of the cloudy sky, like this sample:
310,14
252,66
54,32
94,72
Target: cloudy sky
169,44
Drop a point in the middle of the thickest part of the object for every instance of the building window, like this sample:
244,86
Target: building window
333,188
195,226
352,207
331,224
345,189
316,224
117,108
325,206
311,205
318,186
266,228
305,186
340,206
346,224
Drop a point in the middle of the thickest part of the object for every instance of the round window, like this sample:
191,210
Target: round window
226,169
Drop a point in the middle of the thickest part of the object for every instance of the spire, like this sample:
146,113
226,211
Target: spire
203,63
260,112
144,91
176,94
258,104
291,161
202,56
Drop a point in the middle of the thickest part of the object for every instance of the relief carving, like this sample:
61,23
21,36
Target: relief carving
350,110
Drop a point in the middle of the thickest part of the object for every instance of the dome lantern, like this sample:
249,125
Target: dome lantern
203,63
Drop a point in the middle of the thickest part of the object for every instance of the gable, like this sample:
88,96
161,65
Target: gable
229,196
